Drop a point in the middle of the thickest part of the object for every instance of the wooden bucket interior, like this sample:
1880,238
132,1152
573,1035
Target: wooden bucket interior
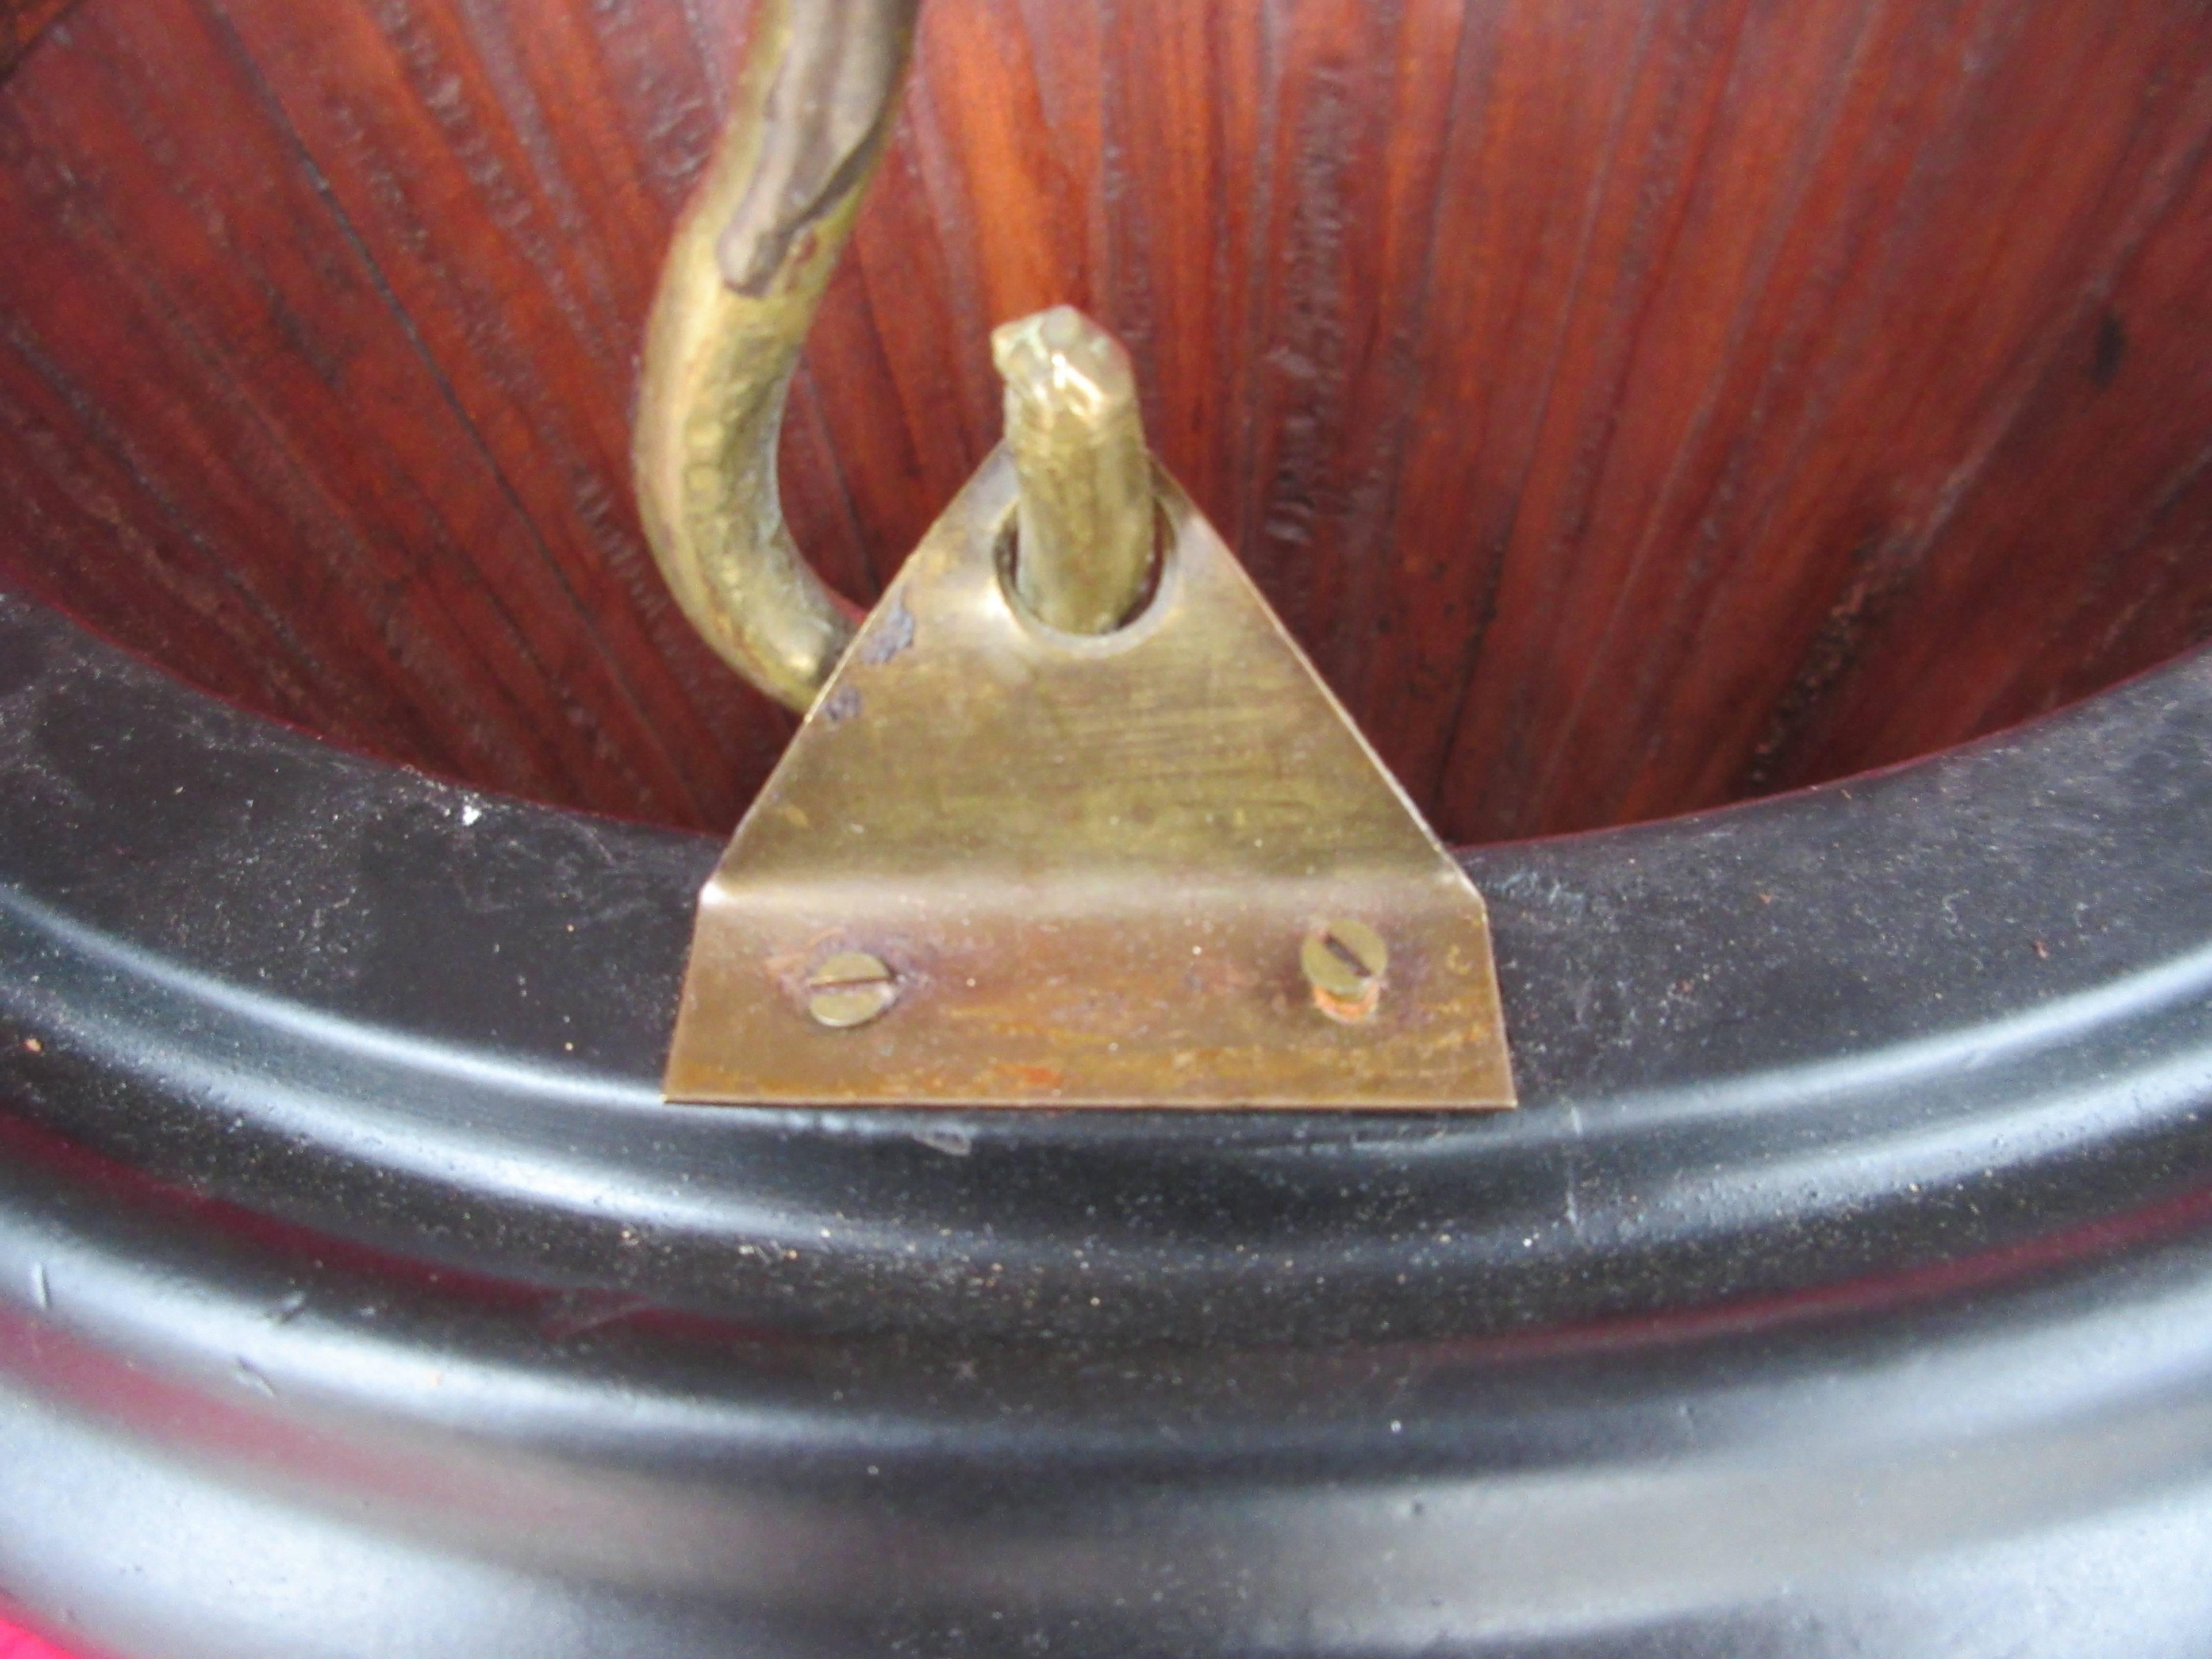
1632,405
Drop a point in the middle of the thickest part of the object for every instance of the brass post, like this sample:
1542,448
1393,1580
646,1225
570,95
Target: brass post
1085,526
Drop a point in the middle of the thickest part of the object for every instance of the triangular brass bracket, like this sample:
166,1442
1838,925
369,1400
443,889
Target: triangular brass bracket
1003,866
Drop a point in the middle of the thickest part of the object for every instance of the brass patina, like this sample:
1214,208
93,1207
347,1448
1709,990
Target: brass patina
744,276
745,273
1091,866
1070,821
1085,535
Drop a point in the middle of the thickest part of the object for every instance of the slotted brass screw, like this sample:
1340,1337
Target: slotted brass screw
849,989
1343,962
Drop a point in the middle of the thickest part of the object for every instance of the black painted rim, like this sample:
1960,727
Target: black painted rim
1844,1268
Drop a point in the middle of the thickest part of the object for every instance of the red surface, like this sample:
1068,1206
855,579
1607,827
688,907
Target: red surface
21,1645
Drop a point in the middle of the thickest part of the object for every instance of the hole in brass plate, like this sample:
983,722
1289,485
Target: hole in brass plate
1007,552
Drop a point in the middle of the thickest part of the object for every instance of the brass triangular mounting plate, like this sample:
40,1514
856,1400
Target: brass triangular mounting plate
1001,866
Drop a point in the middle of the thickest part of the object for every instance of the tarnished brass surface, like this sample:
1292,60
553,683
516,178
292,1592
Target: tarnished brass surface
1085,530
1026,848
745,274
1090,867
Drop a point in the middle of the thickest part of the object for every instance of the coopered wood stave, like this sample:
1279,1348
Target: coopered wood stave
1632,404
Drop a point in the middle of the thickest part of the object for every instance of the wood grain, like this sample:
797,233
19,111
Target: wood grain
21,23
1632,404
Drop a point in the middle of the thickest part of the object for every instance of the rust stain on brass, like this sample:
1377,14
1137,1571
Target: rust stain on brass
1040,868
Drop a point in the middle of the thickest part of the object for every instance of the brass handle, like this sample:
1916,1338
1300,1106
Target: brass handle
752,255
745,274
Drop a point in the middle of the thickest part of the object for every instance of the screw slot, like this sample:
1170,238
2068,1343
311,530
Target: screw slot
1343,962
849,989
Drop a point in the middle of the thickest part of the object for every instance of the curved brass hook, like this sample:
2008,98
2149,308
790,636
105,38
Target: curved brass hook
745,274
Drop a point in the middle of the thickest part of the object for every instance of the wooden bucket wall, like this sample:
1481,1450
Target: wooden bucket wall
1632,404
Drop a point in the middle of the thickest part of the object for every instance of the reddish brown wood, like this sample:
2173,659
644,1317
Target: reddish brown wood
1633,404
22,21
